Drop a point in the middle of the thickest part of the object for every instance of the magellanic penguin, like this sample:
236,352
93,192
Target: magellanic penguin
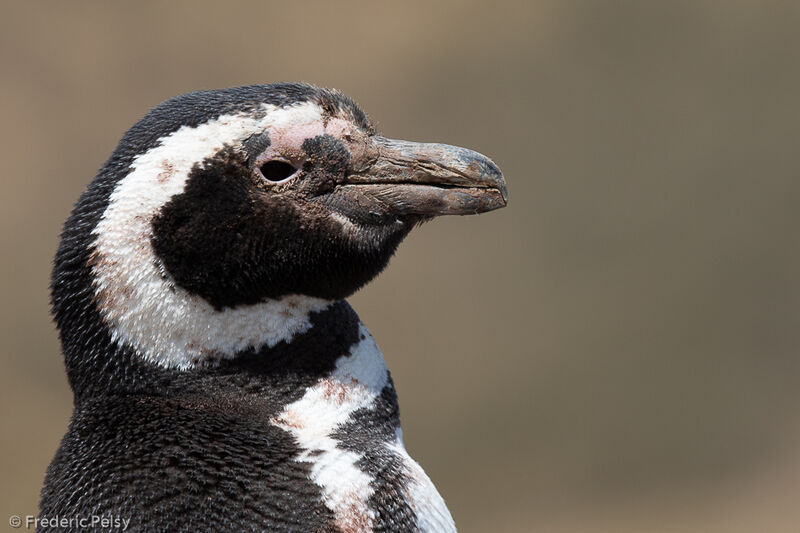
221,382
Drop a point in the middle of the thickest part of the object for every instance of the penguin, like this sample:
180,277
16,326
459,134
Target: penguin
221,381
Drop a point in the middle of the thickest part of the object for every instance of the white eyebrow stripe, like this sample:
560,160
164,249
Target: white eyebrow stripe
164,323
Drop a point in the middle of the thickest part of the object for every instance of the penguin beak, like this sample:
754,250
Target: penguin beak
427,179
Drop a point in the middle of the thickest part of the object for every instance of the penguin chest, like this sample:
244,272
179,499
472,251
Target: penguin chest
347,428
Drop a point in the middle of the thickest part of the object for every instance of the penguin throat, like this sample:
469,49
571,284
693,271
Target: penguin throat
172,328
164,324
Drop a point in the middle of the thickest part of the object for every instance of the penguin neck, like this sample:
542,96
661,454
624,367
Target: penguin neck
100,362
169,326
334,354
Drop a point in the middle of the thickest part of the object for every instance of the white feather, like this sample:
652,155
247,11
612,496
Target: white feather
164,323
356,382
432,513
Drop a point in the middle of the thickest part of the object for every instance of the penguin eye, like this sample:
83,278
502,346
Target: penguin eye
277,171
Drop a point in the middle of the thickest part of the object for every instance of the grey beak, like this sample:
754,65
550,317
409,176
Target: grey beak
429,179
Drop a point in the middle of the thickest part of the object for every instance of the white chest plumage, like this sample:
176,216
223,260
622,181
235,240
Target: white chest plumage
355,384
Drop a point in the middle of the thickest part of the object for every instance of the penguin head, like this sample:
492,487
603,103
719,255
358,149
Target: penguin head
304,199
220,205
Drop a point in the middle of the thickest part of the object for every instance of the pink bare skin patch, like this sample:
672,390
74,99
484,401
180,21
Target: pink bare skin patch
286,144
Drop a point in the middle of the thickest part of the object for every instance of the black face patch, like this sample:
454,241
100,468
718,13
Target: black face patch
235,240
326,163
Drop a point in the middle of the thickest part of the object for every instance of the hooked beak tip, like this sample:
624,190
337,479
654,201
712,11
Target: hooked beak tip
492,174
460,181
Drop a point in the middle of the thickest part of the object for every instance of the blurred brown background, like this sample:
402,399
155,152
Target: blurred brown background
615,351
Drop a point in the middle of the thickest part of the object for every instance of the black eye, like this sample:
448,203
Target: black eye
276,171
